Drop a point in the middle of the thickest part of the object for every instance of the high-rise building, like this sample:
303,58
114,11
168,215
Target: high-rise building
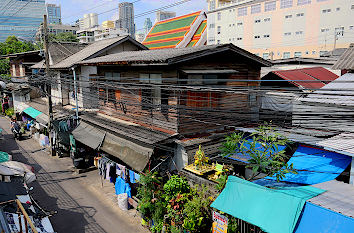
53,13
89,21
276,29
163,15
20,18
126,17
108,24
147,25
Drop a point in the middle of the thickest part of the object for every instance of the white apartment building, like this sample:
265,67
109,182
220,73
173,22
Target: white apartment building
276,29
89,21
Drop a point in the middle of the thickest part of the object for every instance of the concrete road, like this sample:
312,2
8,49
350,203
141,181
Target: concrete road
59,189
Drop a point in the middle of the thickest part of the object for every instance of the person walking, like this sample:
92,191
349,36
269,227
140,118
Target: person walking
5,104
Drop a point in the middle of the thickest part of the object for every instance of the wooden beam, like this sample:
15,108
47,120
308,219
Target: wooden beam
34,230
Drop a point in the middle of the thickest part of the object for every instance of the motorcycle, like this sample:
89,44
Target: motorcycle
16,131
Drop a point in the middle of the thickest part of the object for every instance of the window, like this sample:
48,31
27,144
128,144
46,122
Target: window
338,9
265,55
287,33
303,2
324,29
326,11
307,52
257,54
313,52
286,55
242,11
270,6
151,98
321,0
352,7
300,14
219,15
211,25
256,9
239,24
288,16
266,19
218,42
257,21
257,37
286,3
297,54
351,27
266,36
299,32
339,31
229,25
212,5
239,38
219,30
107,94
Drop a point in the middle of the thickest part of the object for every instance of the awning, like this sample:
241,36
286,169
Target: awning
273,210
315,165
244,155
42,118
32,112
134,155
229,71
89,135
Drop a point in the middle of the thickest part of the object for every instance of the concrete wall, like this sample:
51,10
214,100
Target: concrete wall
311,27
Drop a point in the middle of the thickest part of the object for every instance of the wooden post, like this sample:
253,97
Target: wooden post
48,81
27,218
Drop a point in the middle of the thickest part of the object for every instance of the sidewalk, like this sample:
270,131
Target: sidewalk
83,205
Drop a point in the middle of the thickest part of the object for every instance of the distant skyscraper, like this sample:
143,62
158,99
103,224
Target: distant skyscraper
126,17
53,13
163,15
147,25
88,21
20,18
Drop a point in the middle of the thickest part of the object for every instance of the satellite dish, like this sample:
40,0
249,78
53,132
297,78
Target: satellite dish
2,85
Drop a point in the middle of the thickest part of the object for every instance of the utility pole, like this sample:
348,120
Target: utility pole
335,40
48,82
75,87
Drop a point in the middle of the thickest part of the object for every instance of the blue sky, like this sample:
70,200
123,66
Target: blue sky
74,9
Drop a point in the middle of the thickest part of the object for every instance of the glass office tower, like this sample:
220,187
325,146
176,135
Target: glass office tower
54,14
20,18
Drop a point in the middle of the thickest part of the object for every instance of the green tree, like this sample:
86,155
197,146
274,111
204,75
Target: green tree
13,45
63,37
263,148
4,66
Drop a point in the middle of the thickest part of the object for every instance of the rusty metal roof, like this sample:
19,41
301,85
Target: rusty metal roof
346,61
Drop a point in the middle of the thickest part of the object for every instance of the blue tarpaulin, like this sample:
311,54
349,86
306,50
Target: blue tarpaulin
244,156
315,165
273,210
316,219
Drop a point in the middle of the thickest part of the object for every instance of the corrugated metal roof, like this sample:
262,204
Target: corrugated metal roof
342,143
338,92
338,198
346,61
320,73
164,55
87,52
307,78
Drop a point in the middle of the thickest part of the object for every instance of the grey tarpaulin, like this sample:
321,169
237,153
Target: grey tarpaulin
88,135
134,155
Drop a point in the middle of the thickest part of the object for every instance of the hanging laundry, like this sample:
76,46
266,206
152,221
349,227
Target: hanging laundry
122,187
112,173
137,176
132,177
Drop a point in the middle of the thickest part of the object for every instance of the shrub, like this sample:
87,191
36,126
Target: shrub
10,112
174,186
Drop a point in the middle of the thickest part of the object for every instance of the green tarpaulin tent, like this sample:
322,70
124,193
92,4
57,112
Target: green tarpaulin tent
32,112
273,210
4,157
